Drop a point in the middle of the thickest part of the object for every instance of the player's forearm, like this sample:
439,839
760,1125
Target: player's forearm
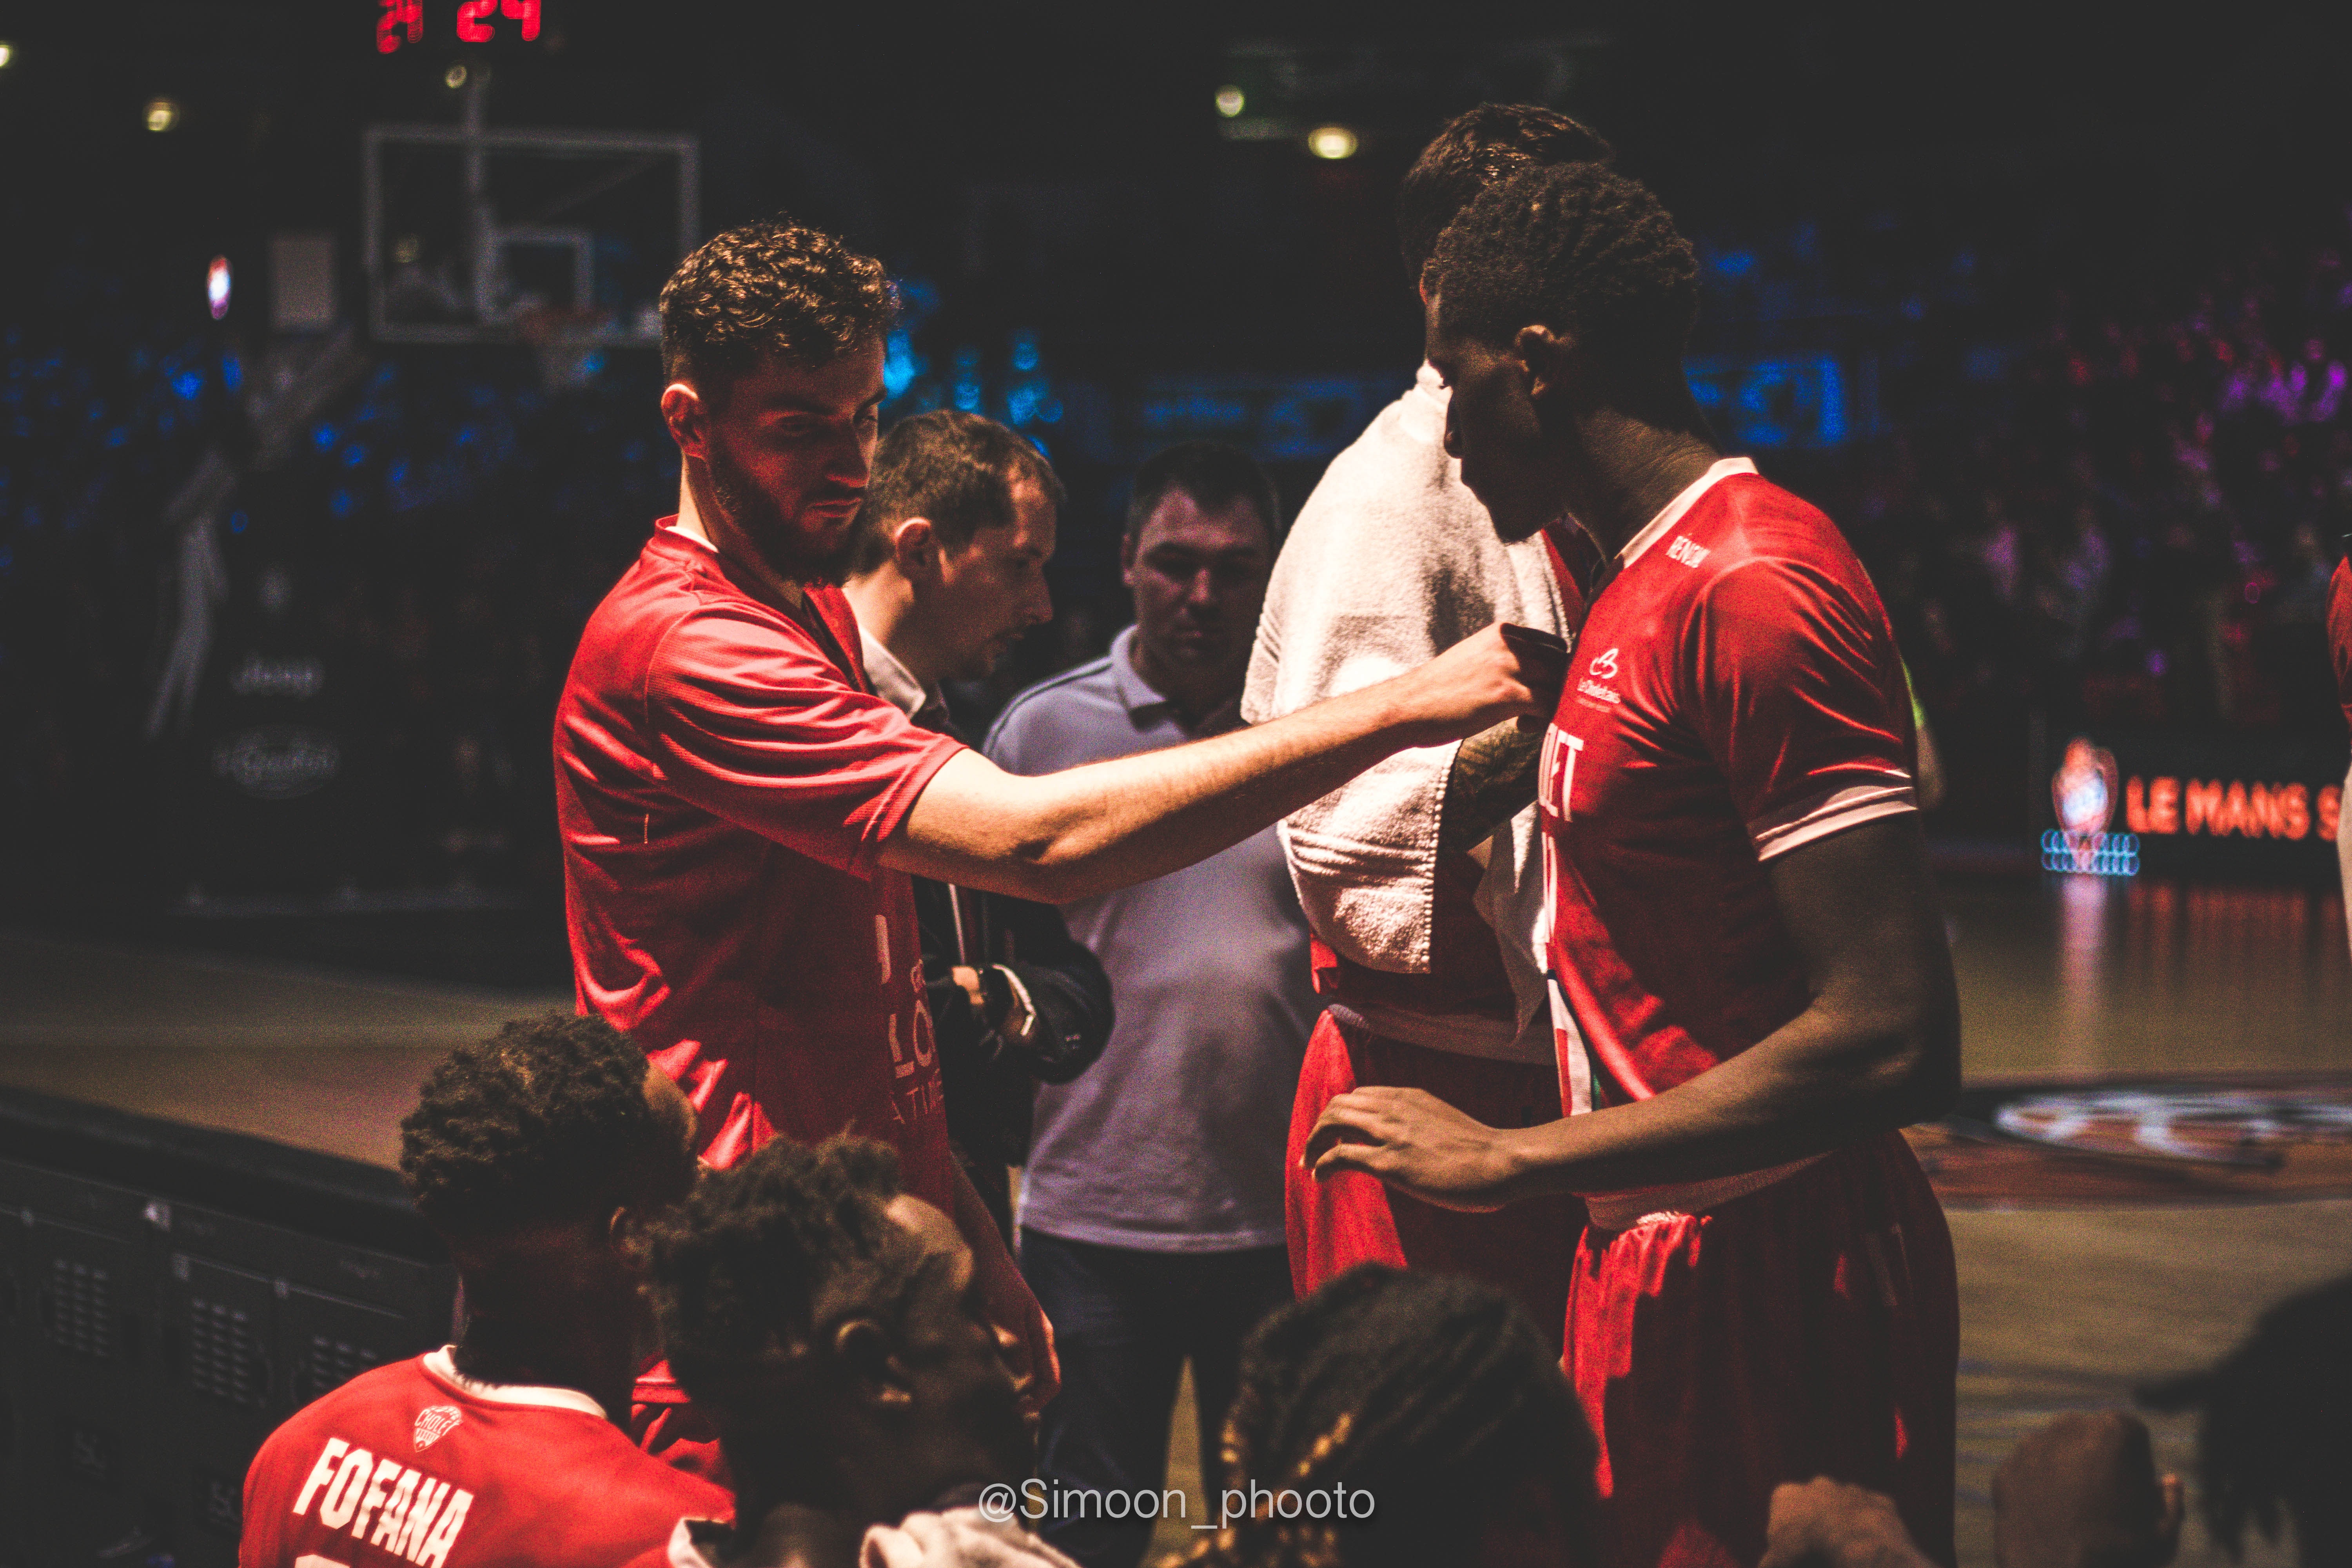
1493,779
1109,825
1820,1082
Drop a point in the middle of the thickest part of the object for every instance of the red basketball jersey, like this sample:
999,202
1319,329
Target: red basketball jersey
414,1464
1735,693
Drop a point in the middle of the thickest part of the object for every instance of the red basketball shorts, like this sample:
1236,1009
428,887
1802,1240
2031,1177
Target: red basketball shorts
1527,1249
1809,1329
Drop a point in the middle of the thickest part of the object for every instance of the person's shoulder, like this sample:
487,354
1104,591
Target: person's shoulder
384,1398
1086,685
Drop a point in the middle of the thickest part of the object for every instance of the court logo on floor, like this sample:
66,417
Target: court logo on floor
2141,1140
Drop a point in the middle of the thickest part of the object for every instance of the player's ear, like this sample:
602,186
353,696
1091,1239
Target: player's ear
687,417
915,545
869,1356
1542,353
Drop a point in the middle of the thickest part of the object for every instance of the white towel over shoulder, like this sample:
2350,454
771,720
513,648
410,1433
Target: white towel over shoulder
1391,562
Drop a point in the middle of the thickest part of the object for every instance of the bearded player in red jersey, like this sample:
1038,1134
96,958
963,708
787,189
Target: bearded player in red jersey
740,812
537,1156
1743,920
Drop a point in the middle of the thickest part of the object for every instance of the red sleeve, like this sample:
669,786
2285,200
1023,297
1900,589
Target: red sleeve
757,727
1797,684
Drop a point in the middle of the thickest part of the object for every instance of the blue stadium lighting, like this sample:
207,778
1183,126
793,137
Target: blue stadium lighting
340,503
237,521
323,437
117,436
189,384
2111,855
232,373
1026,354
354,454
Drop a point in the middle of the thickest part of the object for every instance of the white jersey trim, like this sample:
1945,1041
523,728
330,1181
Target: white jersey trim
1674,510
442,1366
1832,811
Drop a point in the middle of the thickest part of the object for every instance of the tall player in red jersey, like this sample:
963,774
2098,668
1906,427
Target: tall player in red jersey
537,1156
1743,921
740,811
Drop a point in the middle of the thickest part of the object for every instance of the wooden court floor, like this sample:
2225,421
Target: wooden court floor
2065,1306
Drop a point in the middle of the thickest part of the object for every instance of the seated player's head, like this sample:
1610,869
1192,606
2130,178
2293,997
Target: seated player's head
1201,527
1560,301
771,345
963,511
537,1155
1433,1396
2082,1492
1474,149
831,1324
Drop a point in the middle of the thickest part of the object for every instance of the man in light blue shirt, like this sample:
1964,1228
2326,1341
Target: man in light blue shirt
1152,1217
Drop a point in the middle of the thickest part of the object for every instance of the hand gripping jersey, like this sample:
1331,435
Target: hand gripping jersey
1735,693
414,1463
725,780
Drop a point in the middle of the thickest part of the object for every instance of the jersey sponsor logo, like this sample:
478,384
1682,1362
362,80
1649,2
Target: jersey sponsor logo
1684,550
435,1422
1605,668
414,1515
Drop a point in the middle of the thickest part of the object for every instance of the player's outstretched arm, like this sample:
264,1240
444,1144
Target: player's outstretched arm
1088,830
1879,1048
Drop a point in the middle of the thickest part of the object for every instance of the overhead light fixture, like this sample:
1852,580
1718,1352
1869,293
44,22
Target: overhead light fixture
1331,141
163,114
454,77
1231,102
7,55
217,283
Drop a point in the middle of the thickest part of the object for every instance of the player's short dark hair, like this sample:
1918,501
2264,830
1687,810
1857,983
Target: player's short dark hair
773,290
766,1255
1214,475
1577,246
956,469
1435,1394
544,1122
1476,148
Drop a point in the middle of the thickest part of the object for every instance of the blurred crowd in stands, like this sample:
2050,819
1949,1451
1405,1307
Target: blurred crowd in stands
2108,472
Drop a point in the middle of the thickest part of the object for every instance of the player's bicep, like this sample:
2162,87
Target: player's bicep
968,827
1860,906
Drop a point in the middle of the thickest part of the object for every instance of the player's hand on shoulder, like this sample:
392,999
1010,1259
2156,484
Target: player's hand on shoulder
1416,1142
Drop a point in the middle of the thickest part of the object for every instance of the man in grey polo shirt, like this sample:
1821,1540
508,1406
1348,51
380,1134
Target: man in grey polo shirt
1151,1215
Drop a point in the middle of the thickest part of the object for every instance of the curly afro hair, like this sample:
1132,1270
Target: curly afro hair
544,1122
768,1254
1435,1394
1577,246
1476,148
774,291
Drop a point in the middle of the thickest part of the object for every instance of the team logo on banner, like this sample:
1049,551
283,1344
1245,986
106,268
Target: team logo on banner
2083,793
435,1422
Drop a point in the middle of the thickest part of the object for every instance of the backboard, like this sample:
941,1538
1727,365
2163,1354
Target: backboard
474,235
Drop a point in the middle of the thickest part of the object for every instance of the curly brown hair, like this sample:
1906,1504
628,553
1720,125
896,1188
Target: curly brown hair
546,1122
767,1254
774,291
1577,247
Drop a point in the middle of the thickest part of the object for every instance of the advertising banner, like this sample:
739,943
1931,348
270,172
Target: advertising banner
2223,806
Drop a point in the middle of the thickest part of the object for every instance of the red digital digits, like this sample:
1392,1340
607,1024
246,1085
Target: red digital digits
524,11
473,24
402,16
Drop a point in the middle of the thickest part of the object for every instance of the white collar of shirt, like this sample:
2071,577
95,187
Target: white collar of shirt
894,682
1422,407
443,1365
1674,510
